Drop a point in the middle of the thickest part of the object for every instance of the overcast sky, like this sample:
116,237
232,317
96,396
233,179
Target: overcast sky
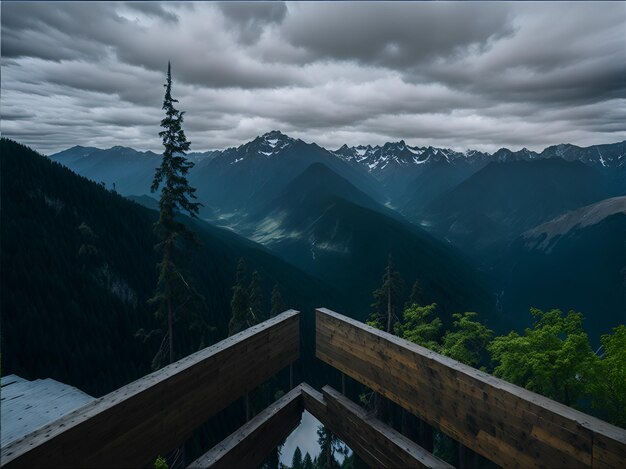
459,75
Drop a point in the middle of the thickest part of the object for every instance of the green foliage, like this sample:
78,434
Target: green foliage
417,326
173,289
608,390
278,304
160,463
468,341
387,299
553,358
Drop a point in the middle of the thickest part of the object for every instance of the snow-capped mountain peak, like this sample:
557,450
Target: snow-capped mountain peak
394,154
267,145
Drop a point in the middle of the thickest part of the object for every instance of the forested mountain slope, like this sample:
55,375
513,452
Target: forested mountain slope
73,297
575,261
327,227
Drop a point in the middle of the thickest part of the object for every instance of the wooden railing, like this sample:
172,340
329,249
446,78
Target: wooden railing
505,423
376,443
508,425
155,414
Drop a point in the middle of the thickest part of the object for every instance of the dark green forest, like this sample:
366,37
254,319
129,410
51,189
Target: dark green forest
78,266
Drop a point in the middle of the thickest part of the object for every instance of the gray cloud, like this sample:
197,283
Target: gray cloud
153,9
398,36
460,75
250,18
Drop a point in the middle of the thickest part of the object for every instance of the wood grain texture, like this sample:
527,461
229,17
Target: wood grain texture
509,425
376,443
250,445
153,415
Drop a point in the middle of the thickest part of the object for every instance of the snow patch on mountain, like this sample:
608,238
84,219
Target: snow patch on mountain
542,236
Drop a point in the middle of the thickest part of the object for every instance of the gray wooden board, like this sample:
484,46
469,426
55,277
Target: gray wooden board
26,406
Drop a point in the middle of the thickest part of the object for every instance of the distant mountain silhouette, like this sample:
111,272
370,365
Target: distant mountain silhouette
575,261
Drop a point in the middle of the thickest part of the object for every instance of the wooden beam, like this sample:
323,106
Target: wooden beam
376,443
314,402
153,415
507,424
250,445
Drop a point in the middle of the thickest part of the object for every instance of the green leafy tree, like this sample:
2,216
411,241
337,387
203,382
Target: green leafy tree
176,196
296,461
160,463
418,327
387,299
277,303
553,358
468,341
608,390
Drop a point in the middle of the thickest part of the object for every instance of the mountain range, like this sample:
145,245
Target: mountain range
334,255
232,183
457,221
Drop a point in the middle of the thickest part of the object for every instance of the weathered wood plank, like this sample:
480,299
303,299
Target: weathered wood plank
367,436
250,445
375,442
153,415
505,423
313,402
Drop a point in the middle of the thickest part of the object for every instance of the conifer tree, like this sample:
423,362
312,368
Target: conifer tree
240,303
176,196
416,296
307,462
296,461
278,304
255,294
329,445
383,316
88,253
387,299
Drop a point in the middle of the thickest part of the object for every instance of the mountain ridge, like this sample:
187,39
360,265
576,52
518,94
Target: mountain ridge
378,157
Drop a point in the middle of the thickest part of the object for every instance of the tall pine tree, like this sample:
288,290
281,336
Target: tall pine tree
256,299
176,196
387,299
277,302
240,302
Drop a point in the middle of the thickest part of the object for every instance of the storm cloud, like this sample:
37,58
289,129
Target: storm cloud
454,74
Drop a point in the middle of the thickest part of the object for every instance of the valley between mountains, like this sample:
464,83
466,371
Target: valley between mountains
476,229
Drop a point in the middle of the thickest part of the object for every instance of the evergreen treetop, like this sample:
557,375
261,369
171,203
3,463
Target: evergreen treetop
176,195
277,302
387,299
